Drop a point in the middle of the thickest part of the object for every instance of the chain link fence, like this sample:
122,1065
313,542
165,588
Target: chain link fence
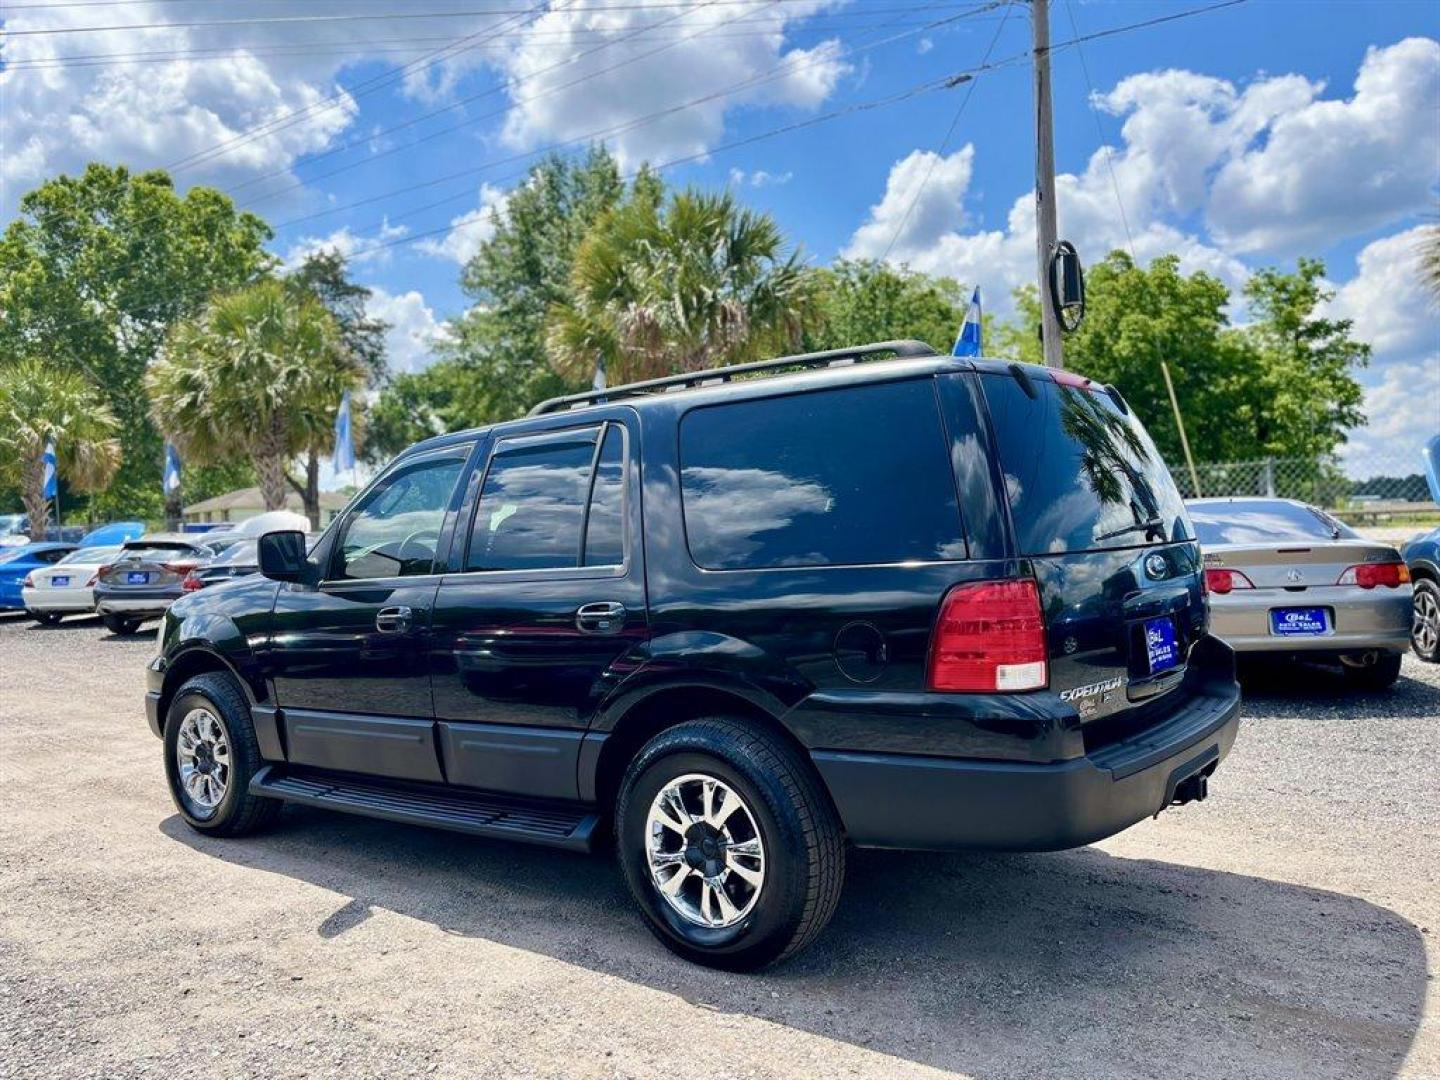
1363,486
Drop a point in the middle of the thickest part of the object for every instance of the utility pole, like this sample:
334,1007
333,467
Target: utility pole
1045,231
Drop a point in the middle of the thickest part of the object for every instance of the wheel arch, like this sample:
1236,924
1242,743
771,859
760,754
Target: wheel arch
198,660
664,708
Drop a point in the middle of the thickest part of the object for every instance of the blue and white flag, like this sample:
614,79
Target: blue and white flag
171,481
344,437
598,383
968,343
48,458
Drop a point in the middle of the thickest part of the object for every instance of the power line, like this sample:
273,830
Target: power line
470,121
346,17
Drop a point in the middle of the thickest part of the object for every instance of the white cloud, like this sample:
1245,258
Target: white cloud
1337,168
410,341
469,230
759,178
358,250
1388,301
1402,407
924,202
639,76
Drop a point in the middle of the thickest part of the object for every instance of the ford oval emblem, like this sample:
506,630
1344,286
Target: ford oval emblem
1155,565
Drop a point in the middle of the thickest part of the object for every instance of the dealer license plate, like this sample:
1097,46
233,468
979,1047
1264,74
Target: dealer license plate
1297,621
59,581
1161,648
137,577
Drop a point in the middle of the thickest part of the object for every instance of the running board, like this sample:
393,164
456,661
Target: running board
553,824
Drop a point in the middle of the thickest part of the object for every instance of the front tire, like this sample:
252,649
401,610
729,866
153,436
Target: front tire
729,843
1380,675
119,625
210,757
1425,632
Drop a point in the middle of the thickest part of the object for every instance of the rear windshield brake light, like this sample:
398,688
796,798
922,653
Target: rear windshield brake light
990,637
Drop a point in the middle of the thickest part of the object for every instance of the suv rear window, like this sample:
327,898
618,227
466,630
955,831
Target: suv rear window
1081,474
854,476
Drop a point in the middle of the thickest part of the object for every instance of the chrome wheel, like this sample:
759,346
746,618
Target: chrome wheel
202,752
1425,633
705,852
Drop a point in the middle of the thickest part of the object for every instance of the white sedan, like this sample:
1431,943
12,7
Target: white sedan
68,587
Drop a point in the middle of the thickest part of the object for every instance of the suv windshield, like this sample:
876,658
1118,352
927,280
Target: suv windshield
1081,474
1267,521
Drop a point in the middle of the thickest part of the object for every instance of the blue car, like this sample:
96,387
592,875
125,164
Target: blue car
1422,556
117,532
18,561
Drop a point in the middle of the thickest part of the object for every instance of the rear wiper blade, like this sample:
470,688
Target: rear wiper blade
1154,524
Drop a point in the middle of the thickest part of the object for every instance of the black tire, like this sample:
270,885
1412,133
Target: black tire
803,842
1427,606
238,812
45,618
1380,675
119,625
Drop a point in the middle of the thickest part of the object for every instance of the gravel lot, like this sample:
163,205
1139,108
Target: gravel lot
1286,927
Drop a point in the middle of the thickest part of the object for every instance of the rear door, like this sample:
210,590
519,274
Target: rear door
1097,516
545,599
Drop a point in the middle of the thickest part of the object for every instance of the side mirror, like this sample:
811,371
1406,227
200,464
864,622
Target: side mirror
282,555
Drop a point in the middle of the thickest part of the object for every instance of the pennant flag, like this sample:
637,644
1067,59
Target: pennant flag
968,343
344,437
51,487
171,481
598,383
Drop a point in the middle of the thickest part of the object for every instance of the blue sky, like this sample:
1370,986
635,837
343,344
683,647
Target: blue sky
1239,137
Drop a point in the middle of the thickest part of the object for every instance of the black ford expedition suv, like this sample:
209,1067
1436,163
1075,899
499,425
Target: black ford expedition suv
736,623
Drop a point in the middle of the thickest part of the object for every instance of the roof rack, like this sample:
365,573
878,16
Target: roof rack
715,376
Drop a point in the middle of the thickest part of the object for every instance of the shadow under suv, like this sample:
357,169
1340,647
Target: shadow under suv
736,620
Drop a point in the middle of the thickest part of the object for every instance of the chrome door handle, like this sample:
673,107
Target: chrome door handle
605,617
393,620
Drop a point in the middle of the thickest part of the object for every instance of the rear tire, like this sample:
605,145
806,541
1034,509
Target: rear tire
1377,676
210,757
1425,632
119,625
761,907
46,618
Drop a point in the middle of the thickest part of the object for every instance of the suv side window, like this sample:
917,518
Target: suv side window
854,476
552,502
394,530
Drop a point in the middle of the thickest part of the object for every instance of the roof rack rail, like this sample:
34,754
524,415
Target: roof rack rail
692,379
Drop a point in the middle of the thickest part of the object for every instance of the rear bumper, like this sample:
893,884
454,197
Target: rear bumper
153,604
1359,619
904,801
38,599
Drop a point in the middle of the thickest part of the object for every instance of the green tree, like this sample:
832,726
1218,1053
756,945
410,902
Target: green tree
863,300
40,402
1303,397
93,273
259,372
692,283
415,405
324,275
520,273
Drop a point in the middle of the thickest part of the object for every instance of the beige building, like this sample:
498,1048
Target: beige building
236,506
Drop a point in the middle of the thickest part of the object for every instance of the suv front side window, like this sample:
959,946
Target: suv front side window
395,529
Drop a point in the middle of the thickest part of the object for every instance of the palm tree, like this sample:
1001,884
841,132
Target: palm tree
1429,254
683,287
40,403
260,372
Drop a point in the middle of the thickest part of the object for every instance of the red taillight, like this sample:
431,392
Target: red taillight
191,583
990,636
93,579
1221,581
1367,575
29,582
104,571
179,567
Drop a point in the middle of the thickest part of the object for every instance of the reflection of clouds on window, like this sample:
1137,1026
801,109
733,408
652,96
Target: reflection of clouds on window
531,509
1240,525
728,508
1014,488
951,549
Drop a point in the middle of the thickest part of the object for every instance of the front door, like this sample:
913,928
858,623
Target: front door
545,601
348,657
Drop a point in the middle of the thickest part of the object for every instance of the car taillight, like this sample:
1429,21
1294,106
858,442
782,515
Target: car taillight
1222,581
990,636
179,567
1367,575
29,582
191,583
93,579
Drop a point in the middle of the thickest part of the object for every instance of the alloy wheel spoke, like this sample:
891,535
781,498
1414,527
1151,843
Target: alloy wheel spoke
744,873
677,880
721,899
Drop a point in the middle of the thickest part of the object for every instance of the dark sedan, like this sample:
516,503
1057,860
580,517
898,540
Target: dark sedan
146,579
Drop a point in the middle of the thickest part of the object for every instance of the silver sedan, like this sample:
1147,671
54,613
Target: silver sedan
1288,578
